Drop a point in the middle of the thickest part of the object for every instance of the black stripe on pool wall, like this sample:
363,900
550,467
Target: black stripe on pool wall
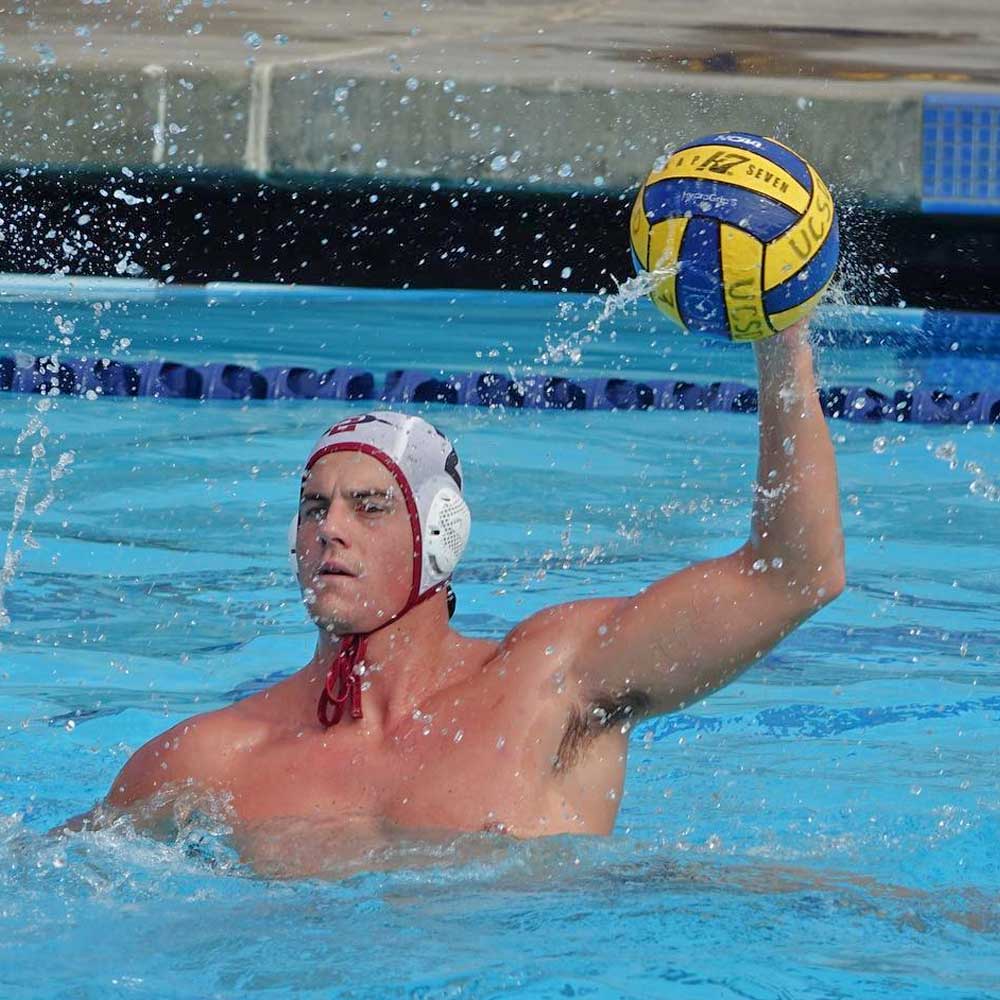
201,227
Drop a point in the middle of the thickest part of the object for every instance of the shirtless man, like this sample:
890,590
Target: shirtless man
399,722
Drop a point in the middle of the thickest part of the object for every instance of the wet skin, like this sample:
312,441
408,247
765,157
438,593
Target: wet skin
527,735
457,734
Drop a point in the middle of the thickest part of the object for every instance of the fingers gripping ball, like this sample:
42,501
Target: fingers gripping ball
740,234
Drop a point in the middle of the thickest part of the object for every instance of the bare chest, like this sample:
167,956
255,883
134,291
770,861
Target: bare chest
469,772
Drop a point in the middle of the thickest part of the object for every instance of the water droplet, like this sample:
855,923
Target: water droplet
252,40
457,738
46,55
498,163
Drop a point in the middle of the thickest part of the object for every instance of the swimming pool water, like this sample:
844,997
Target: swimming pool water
824,827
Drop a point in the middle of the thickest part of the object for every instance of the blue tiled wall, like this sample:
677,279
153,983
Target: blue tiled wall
961,153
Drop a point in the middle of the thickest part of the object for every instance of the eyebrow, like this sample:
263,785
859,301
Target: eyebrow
358,494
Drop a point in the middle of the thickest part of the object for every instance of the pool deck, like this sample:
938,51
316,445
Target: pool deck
565,95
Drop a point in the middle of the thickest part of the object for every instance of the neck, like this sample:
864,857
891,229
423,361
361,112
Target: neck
404,664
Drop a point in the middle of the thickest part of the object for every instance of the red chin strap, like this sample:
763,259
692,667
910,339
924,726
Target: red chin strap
343,683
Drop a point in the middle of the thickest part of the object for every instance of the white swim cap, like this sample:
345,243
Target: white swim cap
426,467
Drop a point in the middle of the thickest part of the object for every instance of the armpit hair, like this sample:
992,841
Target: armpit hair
587,721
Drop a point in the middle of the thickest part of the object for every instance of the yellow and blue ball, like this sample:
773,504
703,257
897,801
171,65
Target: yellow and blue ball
740,234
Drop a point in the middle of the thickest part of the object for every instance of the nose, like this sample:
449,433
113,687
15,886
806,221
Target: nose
331,528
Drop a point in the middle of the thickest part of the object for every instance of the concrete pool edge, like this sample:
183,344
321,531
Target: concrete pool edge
564,96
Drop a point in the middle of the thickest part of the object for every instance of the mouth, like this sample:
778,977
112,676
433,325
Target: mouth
334,569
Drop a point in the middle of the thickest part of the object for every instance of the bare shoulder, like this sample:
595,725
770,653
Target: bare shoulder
566,628
199,750
572,717
548,645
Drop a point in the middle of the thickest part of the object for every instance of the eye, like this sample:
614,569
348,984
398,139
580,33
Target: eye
314,512
371,507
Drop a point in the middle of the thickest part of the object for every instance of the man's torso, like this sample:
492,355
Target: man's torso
509,748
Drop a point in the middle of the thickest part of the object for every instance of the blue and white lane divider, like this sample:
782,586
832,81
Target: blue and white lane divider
220,381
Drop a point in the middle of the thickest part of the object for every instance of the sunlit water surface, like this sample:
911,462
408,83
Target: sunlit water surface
824,827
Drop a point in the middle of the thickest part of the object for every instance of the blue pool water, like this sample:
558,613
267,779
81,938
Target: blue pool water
825,827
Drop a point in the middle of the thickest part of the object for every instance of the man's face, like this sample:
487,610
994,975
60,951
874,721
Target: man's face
354,543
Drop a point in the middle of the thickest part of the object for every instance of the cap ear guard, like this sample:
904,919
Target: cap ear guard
449,522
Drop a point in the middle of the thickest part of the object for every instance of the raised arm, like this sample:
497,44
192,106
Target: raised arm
691,632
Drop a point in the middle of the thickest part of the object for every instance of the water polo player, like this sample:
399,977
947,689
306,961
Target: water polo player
400,722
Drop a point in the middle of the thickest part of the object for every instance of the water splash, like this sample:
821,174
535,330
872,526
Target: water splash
982,484
112,856
569,348
15,546
35,432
